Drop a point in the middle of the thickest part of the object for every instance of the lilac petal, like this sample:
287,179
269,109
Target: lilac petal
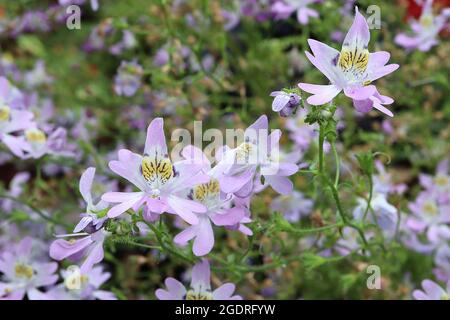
224,292
204,241
128,167
261,123
185,236
230,217
86,184
156,205
201,276
182,208
117,210
280,102
420,295
104,295
433,290
358,35
116,197
383,71
61,249
5,87
15,144
155,136
406,41
383,109
94,256
322,93
363,105
280,184
82,224
175,287
324,59
360,93
231,184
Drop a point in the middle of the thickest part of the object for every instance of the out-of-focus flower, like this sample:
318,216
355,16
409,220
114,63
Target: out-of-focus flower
299,131
380,212
162,184
293,206
352,70
285,103
38,76
24,271
81,286
432,291
382,182
258,156
37,144
425,30
284,8
200,288
128,78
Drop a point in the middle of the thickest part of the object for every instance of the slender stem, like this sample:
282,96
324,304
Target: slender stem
321,141
369,199
338,164
313,230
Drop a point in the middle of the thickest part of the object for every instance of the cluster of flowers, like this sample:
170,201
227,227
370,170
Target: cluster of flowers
21,133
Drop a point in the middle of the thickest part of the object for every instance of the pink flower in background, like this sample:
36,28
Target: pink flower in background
352,70
200,288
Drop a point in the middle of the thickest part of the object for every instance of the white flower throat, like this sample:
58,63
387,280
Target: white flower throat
157,171
198,295
207,193
353,62
23,271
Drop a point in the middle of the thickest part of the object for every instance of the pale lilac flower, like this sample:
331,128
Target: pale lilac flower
432,291
285,103
351,70
90,217
24,272
284,8
200,288
128,41
425,30
380,212
38,76
439,184
37,144
81,286
382,181
89,246
162,185
293,206
128,79
220,210
258,156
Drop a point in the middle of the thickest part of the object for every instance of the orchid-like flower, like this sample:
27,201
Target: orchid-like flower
284,8
91,216
163,185
200,287
81,286
432,291
352,70
24,272
220,210
425,30
87,245
258,156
